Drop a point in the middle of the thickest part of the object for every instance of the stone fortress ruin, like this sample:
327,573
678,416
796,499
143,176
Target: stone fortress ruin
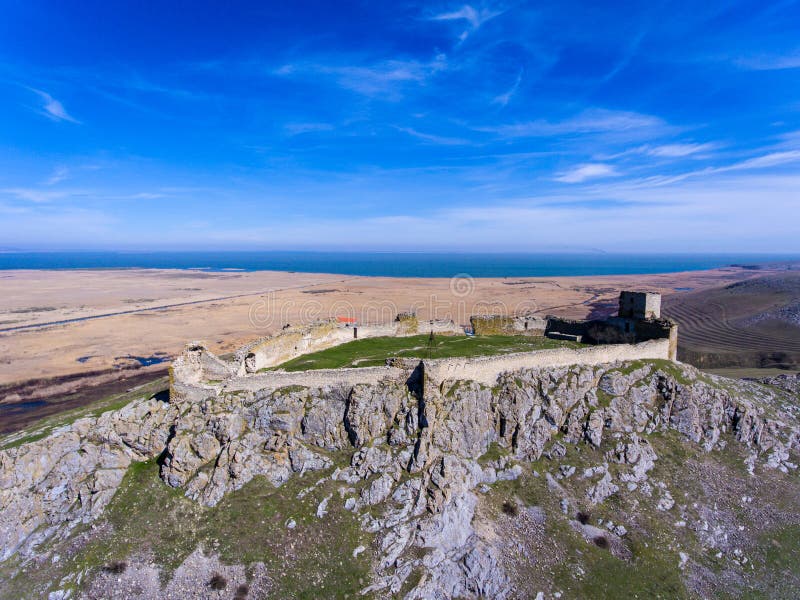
637,332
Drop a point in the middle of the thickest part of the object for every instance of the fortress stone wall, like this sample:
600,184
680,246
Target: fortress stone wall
189,382
642,334
508,325
486,369
318,378
296,341
638,320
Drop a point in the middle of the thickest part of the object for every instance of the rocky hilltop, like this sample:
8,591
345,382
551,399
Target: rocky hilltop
644,478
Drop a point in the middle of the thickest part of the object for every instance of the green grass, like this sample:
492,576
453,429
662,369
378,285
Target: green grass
494,452
249,525
651,572
667,366
781,560
374,351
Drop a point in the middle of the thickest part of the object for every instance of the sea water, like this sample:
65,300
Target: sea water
393,264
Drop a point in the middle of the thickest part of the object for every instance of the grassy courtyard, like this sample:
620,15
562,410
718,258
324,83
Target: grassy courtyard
374,351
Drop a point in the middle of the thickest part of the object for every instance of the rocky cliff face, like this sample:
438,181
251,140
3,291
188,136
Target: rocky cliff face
50,485
426,467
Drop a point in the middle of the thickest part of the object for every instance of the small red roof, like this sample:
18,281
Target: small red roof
345,319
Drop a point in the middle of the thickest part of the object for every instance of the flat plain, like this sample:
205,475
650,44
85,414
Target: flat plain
68,337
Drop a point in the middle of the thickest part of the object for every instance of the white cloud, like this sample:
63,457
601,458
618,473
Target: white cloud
34,195
770,62
766,161
143,196
474,17
44,196
59,174
761,162
383,78
677,150
589,121
505,98
53,109
713,214
56,226
589,171
300,128
434,139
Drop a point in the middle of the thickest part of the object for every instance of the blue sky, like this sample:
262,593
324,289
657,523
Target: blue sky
663,126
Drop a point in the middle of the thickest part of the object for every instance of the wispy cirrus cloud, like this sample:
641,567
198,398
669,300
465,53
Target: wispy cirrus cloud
377,79
582,173
770,62
677,150
432,138
34,195
52,108
45,196
58,175
589,121
674,150
763,162
504,98
301,128
773,159
475,18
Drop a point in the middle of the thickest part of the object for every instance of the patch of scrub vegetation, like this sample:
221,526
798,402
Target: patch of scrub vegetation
573,565
494,452
46,426
649,573
147,518
666,366
31,309
374,351
781,561
577,567
603,398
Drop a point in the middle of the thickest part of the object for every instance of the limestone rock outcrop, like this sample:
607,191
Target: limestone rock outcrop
50,485
414,448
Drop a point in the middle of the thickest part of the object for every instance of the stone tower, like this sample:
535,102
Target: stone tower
639,305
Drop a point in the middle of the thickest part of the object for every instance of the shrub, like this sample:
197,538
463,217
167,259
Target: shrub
510,508
116,567
218,582
601,541
241,592
583,518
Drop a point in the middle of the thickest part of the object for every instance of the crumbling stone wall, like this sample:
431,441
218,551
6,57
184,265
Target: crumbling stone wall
196,364
484,370
289,343
618,330
318,378
487,369
568,326
507,325
292,342
407,324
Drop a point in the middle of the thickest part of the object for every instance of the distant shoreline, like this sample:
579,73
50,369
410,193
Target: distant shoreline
394,264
